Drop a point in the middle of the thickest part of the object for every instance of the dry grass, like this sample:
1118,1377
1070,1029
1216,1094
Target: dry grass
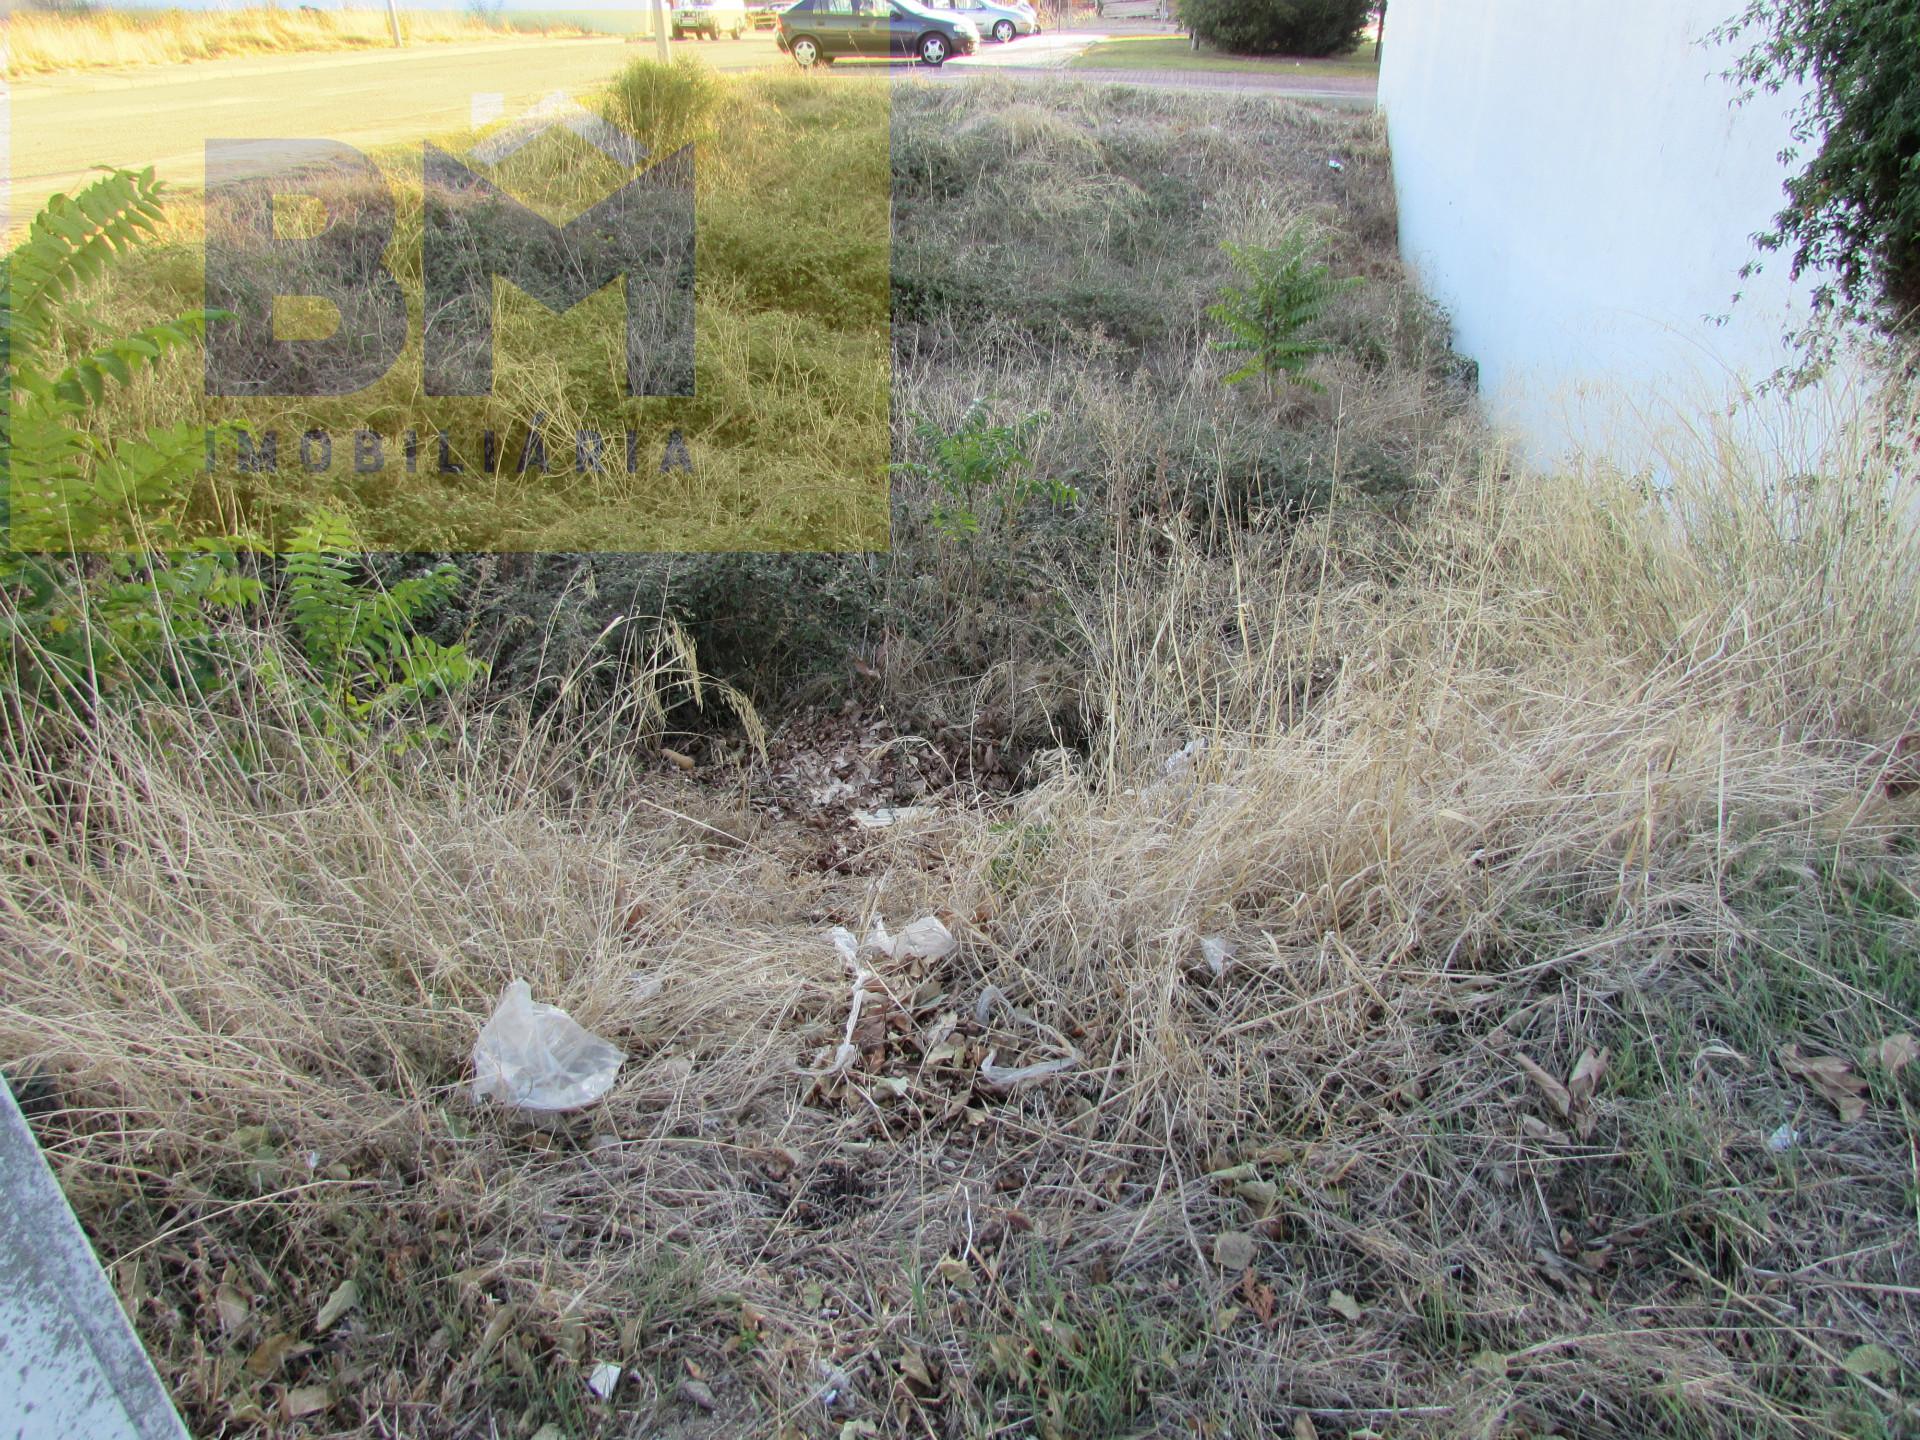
1499,769
45,43
1525,776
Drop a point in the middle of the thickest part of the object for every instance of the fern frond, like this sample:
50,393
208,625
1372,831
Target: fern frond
85,380
73,240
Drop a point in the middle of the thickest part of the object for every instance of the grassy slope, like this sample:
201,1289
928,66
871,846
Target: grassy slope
1160,52
788,426
1501,769
41,43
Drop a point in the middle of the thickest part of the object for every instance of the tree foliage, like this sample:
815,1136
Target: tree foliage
1853,211
1278,27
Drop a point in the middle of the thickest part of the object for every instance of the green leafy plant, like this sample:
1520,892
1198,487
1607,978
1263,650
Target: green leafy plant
1269,316
1021,848
1853,210
104,590
1278,27
358,635
979,465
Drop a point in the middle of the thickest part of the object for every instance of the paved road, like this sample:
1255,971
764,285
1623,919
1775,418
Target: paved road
64,126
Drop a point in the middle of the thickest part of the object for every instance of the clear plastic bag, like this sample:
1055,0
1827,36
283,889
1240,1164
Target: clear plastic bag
537,1057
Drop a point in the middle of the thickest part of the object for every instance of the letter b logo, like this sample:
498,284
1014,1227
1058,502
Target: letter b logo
474,231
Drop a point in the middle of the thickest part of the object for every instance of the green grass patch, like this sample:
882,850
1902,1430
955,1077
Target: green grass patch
1175,52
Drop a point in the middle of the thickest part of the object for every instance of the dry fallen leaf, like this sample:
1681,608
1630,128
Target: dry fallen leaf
1833,1077
1586,1078
913,1368
1587,1075
1538,1129
268,1354
307,1400
1262,1195
232,1306
1344,1305
1898,1051
1303,1428
955,1272
1233,1250
345,1296
1555,1092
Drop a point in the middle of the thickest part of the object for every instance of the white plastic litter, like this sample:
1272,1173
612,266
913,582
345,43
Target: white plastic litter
537,1057
891,815
604,1380
1182,761
1004,1077
1783,1139
925,939
1217,953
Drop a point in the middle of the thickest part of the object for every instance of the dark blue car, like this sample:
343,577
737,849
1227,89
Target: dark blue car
821,31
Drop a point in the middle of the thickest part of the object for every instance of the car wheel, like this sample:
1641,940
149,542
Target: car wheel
1003,30
934,49
679,34
738,32
805,51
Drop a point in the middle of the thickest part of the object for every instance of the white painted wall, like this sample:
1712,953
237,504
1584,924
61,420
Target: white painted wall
1577,188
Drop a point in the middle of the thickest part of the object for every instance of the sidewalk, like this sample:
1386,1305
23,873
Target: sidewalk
1348,94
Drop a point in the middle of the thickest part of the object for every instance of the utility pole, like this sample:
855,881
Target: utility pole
660,30
393,21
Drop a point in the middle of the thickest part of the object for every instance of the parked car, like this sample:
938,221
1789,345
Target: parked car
1001,19
711,18
765,14
822,31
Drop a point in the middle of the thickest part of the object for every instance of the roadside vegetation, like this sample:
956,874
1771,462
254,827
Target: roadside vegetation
55,41
1852,213
1161,52
1291,27
1436,941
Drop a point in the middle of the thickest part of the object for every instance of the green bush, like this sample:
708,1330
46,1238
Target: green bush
1853,211
664,106
1270,315
1277,27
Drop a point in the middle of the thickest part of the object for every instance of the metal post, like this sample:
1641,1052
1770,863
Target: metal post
393,21
660,30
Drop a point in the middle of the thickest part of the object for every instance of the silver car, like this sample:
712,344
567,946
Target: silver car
999,19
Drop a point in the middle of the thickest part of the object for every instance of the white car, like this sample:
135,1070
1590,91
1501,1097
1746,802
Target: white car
711,18
1001,19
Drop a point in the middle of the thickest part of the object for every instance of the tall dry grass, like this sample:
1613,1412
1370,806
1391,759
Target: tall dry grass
1547,766
48,43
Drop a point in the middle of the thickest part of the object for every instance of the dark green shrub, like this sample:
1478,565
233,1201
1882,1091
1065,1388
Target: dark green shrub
1277,27
1853,211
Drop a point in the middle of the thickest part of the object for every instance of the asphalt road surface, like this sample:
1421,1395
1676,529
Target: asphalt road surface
64,126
